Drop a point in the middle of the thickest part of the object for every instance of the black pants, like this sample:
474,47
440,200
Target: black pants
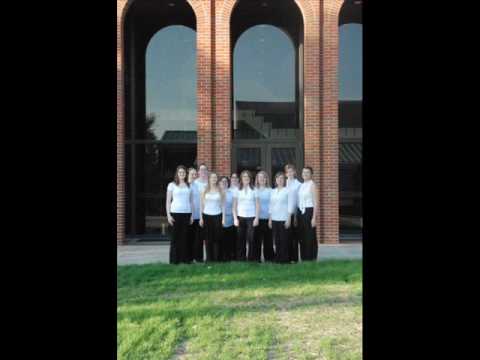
245,235
214,232
293,237
196,237
263,235
308,238
228,241
282,246
179,249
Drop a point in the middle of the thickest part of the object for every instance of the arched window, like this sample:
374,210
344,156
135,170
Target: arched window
161,109
267,54
350,120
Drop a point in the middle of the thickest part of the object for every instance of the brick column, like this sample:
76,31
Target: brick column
222,86
120,125
205,130
329,122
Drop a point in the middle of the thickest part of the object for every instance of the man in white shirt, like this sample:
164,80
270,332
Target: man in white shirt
198,186
293,232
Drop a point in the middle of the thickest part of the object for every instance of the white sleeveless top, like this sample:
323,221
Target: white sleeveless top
212,203
305,196
180,198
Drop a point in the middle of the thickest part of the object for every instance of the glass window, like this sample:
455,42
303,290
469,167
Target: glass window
264,79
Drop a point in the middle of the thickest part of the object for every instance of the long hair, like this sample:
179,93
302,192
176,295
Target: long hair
190,169
240,186
208,187
277,175
267,181
176,179
225,177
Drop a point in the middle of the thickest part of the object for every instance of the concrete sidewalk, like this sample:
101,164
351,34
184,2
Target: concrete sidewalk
145,254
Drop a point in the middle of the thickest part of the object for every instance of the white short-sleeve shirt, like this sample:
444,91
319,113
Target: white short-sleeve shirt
246,201
280,202
264,197
293,187
305,196
212,203
180,198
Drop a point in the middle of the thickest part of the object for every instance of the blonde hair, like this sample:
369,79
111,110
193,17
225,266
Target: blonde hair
208,187
265,175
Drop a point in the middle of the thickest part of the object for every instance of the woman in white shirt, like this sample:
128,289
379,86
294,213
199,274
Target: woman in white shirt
293,185
229,231
245,210
307,212
280,218
192,228
199,235
262,233
234,181
179,206
212,217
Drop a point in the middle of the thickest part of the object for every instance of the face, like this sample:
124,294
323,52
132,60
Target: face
203,172
261,179
280,180
181,174
234,180
192,175
224,184
306,174
245,179
290,173
213,179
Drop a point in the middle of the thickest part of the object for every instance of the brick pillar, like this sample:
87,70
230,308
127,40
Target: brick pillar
205,130
329,122
120,125
222,86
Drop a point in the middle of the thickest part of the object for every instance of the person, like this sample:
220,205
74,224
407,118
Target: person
262,233
280,218
191,176
179,205
234,181
198,233
245,211
211,217
229,231
307,212
293,233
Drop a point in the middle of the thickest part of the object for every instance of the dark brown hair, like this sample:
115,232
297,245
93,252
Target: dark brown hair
280,174
176,179
267,181
225,177
309,168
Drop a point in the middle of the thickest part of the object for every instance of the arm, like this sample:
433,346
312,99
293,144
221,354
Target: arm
224,201
234,211
270,213
191,206
202,205
315,203
167,207
257,211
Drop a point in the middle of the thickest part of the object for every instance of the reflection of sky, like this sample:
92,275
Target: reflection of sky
264,71
350,61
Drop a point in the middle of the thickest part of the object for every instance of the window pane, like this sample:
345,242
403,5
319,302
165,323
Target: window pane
248,159
280,158
171,83
264,85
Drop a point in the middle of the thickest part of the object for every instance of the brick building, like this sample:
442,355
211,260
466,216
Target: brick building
235,84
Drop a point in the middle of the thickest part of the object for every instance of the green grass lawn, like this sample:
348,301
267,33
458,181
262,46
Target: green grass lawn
240,311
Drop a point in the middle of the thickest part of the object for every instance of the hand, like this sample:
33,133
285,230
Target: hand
270,223
287,223
200,222
191,220
255,222
313,222
235,222
223,221
170,220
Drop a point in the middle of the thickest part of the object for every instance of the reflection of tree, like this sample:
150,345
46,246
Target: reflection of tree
149,132
152,153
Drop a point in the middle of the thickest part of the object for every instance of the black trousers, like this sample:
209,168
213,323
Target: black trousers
308,236
179,249
228,241
293,237
196,238
245,235
214,232
282,246
263,236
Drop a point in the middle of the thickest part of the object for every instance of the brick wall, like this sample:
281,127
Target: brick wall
214,99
